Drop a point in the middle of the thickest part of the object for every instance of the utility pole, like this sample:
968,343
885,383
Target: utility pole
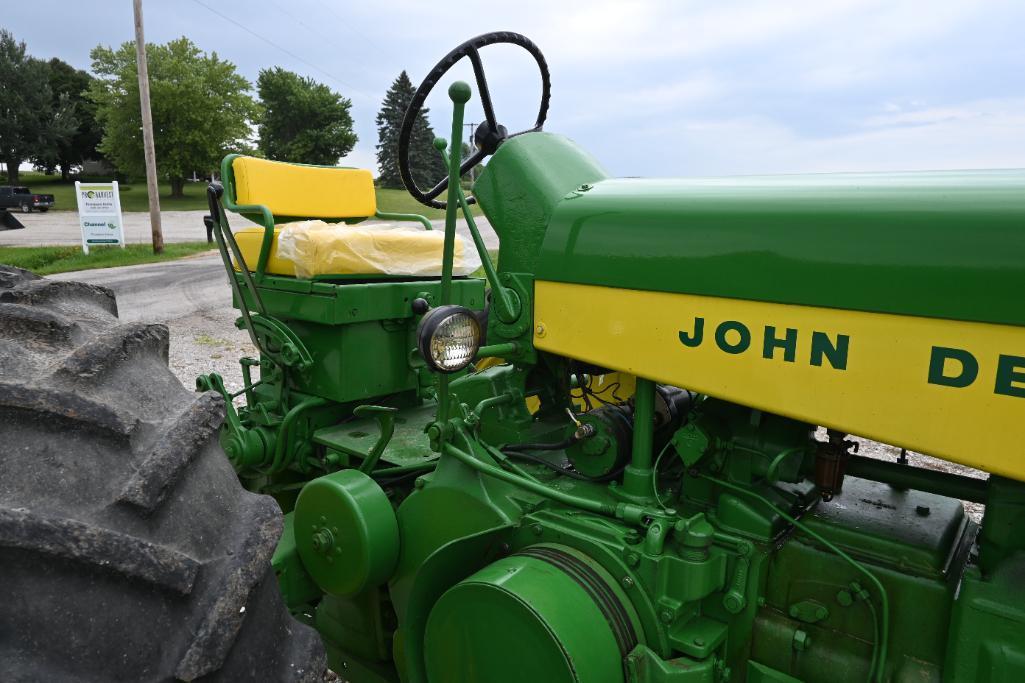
147,132
471,128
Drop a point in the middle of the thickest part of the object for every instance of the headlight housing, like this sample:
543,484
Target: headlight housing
448,338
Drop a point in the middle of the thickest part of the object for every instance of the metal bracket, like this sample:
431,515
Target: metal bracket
276,341
385,417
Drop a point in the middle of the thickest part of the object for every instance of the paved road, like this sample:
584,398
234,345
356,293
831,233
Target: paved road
61,227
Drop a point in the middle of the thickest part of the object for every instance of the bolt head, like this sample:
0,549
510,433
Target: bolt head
420,306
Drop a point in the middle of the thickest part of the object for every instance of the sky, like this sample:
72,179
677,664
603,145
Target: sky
656,88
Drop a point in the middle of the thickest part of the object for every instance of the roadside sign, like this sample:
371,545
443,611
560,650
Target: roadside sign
99,214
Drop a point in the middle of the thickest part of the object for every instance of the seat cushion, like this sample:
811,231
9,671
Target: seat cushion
304,191
249,242
314,248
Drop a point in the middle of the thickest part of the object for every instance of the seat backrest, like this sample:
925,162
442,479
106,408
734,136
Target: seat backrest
301,191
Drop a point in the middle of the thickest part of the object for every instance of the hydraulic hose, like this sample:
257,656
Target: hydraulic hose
556,446
537,460
404,469
875,631
883,629
285,430
628,512
532,486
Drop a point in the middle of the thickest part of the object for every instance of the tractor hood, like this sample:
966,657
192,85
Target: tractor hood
947,244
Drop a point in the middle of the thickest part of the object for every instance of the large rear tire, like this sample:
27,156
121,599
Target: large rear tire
128,549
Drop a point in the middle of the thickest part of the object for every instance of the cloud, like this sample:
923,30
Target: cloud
364,157
982,134
650,87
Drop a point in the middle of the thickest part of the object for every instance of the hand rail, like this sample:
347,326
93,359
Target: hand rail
388,216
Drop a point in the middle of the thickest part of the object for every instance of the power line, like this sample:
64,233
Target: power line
352,29
306,27
282,49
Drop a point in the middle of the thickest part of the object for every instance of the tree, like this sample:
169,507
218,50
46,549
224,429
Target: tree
425,164
29,123
302,120
68,87
201,108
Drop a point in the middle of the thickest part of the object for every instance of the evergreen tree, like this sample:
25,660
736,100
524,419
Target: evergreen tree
425,163
303,121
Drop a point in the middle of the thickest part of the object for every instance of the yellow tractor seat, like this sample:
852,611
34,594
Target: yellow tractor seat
316,214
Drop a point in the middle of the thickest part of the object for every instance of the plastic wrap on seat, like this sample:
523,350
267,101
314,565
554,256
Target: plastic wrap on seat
319,248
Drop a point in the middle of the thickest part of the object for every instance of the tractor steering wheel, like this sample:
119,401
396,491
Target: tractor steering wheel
489,134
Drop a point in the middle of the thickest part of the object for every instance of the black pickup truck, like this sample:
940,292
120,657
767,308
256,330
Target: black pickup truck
23,199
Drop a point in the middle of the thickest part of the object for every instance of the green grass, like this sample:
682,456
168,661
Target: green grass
50,260
134,197
400,201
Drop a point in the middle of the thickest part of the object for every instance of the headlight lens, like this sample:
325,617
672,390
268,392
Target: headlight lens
448,338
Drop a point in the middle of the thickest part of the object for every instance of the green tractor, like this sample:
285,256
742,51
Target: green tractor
621,456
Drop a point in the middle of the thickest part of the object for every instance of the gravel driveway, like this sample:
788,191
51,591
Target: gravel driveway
192,297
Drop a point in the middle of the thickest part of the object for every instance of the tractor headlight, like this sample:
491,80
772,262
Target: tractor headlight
448,338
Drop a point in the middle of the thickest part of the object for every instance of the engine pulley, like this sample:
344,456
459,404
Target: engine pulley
346,532
547,613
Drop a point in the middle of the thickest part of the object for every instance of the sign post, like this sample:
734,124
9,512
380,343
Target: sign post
99,214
